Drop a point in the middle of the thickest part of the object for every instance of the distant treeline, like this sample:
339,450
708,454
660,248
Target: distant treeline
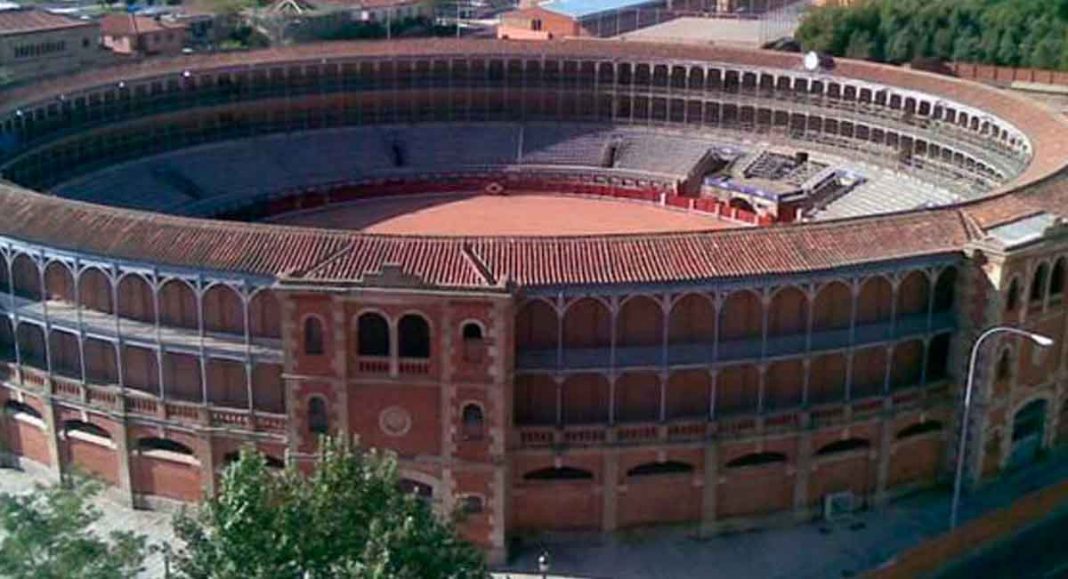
1026,33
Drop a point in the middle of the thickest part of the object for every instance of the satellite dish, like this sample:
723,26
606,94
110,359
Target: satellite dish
812,61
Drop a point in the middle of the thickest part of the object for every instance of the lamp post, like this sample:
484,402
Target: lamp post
1039,339
543,564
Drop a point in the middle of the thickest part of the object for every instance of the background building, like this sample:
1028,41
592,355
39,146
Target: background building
35,44
133,34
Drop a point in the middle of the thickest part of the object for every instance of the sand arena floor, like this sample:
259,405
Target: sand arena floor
519,214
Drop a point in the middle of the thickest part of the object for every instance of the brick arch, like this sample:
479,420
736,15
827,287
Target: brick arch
741,316
584,399
227,383
182,377
937,359
537,326
637,397
827,378
688,394
587,324
101,362
1039,281
788,312
1012,295
869,372
945,290
136,298
94,290
535,400
268,388
26,277
373,334
223,310
737,390
59,282
140,369
5,276
875,300
32,349
65,353
843,446
264,314
178,304
640,322
913,293
413,336
312,335
784,384
907,364
7,339
832,307
692,320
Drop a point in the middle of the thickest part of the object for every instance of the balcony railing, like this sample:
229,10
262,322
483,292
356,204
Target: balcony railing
415,366
372,365
730,351
732,427
110,397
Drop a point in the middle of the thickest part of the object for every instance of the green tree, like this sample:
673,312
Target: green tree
47,534
860,45
1007,32
347,519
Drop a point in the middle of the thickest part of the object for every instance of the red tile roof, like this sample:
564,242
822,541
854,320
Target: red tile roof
25,20
132,25
323,256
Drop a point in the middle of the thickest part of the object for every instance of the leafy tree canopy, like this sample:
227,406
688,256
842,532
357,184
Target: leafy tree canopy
47,534
1028,33
347,519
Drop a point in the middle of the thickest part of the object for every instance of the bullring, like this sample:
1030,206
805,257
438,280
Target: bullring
835,239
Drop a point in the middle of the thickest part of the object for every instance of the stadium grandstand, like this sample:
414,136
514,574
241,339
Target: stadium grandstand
574,285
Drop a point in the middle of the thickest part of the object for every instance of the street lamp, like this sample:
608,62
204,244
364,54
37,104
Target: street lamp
543,564
1039,339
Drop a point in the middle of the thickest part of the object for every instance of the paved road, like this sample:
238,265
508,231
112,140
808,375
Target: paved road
1039,552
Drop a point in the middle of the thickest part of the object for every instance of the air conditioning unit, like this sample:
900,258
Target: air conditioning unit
837,506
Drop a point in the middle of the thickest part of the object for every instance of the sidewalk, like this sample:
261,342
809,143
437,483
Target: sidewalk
809,550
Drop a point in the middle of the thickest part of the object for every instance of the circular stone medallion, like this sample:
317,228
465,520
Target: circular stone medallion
395,421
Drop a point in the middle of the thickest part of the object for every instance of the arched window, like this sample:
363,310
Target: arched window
318,421
372,335
415,488
847,445
272,462
413,334
560,473
472,331
313,336
89,428
151,444
660,468
473,422
471,505
1012,296
15,407
1004,369
1056,282
757,459
1038,284
919,428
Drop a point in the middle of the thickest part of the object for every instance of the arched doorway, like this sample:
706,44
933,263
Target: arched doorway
1028,430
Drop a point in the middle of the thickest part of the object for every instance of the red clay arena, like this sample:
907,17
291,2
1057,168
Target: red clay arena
574,285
